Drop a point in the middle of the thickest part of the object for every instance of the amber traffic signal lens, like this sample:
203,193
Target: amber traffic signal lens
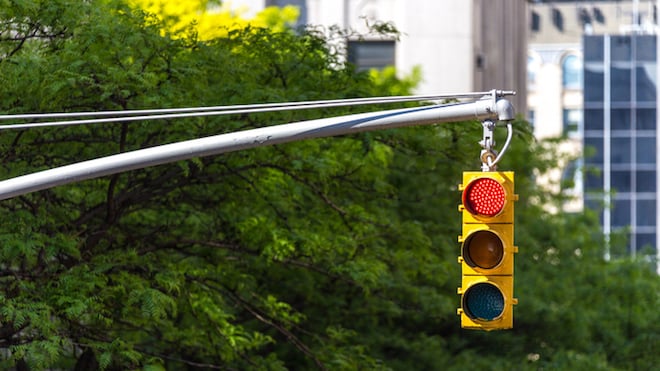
484,196
483,249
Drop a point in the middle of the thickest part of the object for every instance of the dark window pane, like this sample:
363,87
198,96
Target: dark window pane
595,204
646,243
646,119
646,212
645,82
645,150
620,151
593,48
593,150
593,180
558,19
645,181
620,83
371,54
620,213
621,181
593,119
620,119
593,82
620,48
645,48
535,21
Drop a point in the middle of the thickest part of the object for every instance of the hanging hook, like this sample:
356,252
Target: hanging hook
488,153
489,156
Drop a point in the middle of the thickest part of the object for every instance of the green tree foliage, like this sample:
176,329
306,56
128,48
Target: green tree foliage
336,253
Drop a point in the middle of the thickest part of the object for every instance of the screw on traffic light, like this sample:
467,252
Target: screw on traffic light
487,250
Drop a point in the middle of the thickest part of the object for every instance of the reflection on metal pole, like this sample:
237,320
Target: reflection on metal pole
486,108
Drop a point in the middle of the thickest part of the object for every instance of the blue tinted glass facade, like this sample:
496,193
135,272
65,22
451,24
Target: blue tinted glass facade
620,129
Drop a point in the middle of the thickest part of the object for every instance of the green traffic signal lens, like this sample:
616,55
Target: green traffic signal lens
483,301
484,196
483,249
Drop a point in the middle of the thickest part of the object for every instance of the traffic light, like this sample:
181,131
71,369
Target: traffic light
487,250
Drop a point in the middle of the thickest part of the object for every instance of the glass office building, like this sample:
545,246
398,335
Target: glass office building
621,136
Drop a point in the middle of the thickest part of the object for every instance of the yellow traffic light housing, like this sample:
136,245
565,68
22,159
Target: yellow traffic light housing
487,250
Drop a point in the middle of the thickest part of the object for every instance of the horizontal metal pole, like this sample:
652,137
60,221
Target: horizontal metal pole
153,114
230,142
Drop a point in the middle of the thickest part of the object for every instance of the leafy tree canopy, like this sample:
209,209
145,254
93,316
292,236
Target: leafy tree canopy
335,253
211,19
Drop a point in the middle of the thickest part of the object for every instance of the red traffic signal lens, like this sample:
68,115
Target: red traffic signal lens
484,196
483,249
483,301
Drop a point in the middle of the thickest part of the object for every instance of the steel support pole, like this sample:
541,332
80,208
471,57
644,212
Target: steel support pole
487,108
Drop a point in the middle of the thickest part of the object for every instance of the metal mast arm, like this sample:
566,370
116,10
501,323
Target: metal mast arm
487,108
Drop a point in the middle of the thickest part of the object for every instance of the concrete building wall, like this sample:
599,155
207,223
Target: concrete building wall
436,35
460,46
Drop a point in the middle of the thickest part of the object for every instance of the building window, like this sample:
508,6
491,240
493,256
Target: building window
571,68
535,21
366,55
572,178
572,123
533,67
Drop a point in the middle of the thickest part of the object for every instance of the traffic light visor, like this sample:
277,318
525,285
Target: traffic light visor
484,196
483,249
483,301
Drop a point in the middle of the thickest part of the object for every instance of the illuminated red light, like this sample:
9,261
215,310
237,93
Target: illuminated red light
484,196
